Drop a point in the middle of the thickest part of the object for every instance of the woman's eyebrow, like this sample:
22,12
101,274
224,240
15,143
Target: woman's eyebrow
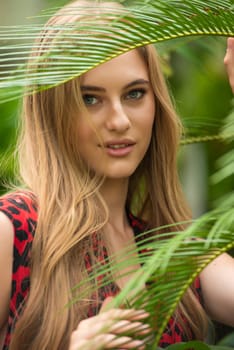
101,89
137,82
92,88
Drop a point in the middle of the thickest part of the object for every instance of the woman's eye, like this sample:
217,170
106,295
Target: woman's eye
135,94
90,100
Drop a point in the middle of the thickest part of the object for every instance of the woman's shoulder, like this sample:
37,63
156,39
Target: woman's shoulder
22,199
18,218
20,207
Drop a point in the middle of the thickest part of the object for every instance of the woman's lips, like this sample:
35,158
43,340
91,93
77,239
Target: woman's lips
119,148
119,151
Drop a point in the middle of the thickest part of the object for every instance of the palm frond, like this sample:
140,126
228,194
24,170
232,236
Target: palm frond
169,266
206,138
72,53
198,129
225,163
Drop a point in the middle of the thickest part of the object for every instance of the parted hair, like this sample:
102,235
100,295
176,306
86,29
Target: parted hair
70,207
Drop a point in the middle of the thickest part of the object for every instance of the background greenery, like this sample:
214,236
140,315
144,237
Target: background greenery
197,80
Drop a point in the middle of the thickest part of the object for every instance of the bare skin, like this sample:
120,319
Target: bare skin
106,330
6,255
229,61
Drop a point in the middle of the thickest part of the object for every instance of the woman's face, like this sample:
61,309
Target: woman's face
120,101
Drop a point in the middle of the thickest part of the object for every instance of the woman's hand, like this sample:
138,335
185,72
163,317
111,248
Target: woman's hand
115,328
229,61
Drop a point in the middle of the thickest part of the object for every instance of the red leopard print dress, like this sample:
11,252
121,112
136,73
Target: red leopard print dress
21,209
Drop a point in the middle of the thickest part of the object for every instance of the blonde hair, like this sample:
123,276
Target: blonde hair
70,206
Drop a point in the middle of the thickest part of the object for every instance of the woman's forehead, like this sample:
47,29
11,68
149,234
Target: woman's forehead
128,66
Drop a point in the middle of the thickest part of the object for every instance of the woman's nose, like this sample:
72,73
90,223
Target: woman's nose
118,120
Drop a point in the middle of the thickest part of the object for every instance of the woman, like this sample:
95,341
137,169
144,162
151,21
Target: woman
86,148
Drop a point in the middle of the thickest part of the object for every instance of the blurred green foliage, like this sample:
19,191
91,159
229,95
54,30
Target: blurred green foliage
203,99
8,134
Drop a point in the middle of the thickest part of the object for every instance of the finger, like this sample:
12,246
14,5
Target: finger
102,323
230,43
125,326
138,315
107,303
127,314
230,50
229,61
110,341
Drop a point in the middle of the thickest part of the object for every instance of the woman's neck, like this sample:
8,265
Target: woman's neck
114,193
119,233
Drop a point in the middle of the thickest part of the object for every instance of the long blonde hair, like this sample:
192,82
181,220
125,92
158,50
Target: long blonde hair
70,206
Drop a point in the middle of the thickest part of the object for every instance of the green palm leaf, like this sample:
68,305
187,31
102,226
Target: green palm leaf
169,266
75,53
